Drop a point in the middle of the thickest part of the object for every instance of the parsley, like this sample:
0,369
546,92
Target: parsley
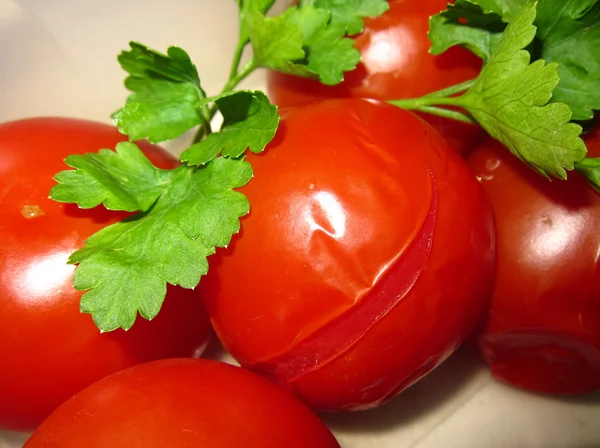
510,98
350,13
184,214
568,33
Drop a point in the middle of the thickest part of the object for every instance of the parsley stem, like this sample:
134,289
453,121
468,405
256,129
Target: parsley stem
448,113
238,77
234,80
237,57
424,101
453,90
430,105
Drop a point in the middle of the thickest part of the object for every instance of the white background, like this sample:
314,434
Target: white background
58,57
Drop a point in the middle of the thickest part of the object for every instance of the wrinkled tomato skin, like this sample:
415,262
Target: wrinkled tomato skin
48,349
338,203
181,403
396,64
542,332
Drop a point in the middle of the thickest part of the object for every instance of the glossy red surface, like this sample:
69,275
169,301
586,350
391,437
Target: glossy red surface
396,64
354,274
48,349
543,328
182,403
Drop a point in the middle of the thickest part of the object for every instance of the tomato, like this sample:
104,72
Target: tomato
543,328
181,403
365,261
48,349
396,64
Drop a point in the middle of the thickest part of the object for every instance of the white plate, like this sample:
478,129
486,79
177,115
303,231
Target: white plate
57,57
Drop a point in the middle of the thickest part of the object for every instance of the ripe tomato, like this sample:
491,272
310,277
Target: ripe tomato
366,259
396,64
49,350
181,403
543,328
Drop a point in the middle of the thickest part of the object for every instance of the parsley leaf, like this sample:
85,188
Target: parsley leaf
589,168
350,13
166,91
508,9
196,210
480,34
251,6
122,180
509,99
276,43
309,40
249,121
568,34
329,53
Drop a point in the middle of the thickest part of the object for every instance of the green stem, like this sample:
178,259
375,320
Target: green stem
448,113
453,90
424,101
229,86
238,77
204,112
237,57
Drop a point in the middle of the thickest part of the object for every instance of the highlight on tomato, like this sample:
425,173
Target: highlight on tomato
395,64
365,261
49,349
542,332
183,403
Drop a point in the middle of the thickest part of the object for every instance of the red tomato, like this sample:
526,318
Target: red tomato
181,403
396,64
543,328
49,350
365,261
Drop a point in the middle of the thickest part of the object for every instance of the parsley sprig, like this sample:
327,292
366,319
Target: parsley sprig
514,99
184,214
541,70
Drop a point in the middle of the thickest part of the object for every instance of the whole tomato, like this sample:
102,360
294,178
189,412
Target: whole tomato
542,332
396,64
365,261
48,349
180,403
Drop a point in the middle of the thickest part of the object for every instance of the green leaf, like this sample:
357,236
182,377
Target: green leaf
329,53
589,168
510,100
143,62
125,267
159,110
122,180
166,94
251,6
349,14
277,43
508,9
249,122
570,34
481,34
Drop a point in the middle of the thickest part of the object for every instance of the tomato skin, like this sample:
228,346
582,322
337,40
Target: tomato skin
180,403
338,202
542,332
396,64
49,350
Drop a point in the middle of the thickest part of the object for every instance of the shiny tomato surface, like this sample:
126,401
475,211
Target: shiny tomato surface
183,403
396,64
366,259
48,349
543,328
